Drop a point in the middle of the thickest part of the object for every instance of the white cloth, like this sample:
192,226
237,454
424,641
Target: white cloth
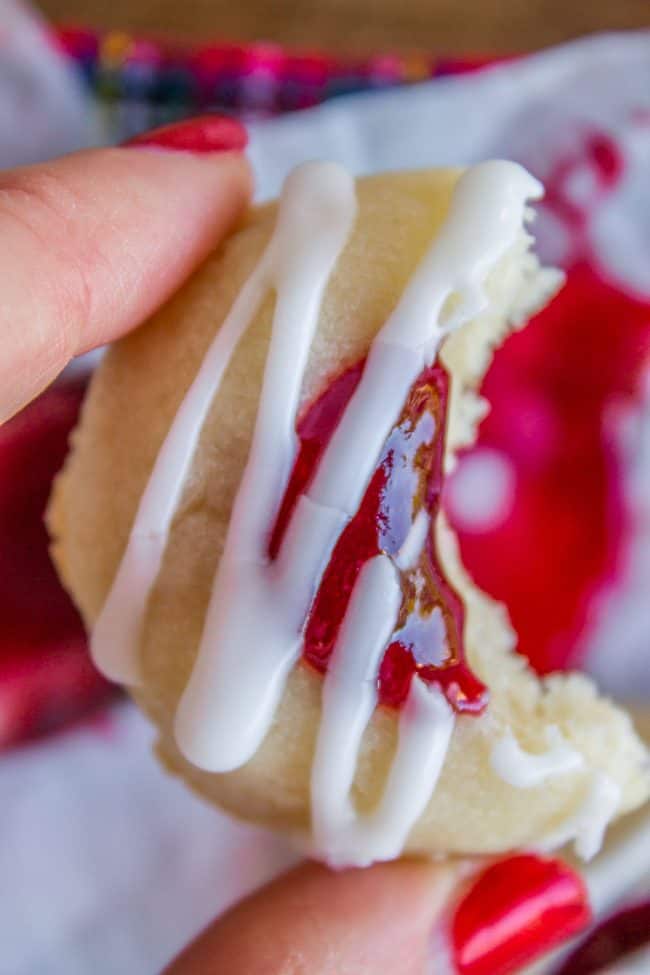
43,109
108,864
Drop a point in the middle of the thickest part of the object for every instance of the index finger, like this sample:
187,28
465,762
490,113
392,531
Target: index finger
95,241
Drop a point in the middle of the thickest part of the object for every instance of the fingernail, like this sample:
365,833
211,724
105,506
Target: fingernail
205,134
516,910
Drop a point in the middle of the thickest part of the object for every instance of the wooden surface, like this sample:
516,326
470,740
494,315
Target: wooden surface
445,26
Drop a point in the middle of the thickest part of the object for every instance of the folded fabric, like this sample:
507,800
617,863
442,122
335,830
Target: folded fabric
46,678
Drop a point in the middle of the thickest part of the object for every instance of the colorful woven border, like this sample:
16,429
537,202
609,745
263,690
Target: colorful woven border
146,82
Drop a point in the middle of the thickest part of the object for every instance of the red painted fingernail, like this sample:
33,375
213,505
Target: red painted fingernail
515,911
205,134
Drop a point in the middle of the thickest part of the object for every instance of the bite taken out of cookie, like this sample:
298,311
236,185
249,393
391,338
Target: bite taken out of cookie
250,522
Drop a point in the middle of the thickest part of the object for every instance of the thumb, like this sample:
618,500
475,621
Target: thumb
315,922
95,241
400,918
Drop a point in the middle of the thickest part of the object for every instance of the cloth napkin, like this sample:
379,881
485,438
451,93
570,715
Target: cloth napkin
563,460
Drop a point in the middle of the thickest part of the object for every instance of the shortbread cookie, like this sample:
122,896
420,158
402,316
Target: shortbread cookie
250,522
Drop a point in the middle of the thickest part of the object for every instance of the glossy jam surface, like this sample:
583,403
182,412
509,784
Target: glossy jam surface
516,910
428,637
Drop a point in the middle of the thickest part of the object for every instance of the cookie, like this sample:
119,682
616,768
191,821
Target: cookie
251,522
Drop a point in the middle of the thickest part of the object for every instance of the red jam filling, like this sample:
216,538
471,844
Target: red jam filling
428,637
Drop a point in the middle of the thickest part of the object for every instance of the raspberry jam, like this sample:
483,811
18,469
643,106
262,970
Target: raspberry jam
428,637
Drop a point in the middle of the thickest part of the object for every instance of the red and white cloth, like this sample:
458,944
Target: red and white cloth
108,864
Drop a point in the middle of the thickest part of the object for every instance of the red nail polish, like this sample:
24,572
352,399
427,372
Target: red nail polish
205,134
515,911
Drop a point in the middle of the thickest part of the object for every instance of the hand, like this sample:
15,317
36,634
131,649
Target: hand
400,918
96,241
93,243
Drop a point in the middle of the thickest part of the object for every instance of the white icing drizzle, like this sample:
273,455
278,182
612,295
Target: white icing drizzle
225,711
587,826
297,264
252,632
349,699
231,697
524,770
484,220
411,549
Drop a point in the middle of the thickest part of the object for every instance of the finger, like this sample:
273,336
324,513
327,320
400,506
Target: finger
94,242
402,918
323,923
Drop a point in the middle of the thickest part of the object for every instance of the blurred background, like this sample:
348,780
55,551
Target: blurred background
364,26
127,866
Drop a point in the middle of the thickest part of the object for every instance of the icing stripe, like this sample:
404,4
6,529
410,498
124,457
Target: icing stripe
349,699
116,634
258,607
415,541
524,770
586,827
